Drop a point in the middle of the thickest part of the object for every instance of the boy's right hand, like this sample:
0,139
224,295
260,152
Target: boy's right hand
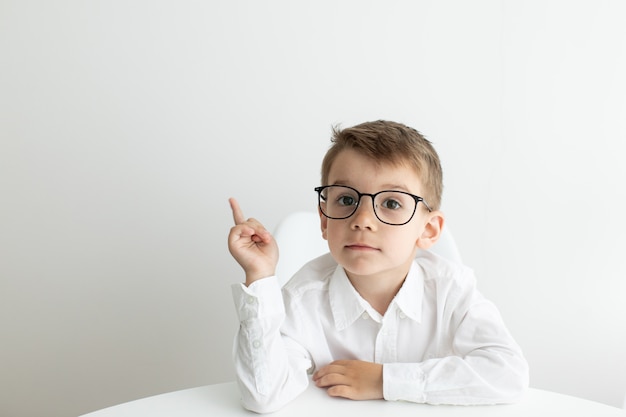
252,246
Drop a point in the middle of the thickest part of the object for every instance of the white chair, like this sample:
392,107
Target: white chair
299,239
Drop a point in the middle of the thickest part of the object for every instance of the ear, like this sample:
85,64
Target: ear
432,230
323,224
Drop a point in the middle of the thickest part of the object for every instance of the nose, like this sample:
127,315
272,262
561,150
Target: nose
364,217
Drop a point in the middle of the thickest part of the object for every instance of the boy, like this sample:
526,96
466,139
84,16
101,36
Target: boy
377,317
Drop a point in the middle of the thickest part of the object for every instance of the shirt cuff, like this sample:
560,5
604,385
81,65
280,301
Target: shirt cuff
403,382
261,299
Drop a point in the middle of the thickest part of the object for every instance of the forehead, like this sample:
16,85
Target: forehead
367,174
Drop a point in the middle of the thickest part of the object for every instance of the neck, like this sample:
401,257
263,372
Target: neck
378,290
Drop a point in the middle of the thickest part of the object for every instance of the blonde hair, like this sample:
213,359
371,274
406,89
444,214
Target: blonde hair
393,143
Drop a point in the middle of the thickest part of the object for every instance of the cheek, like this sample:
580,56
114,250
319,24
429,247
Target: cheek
331,235
408,238
334,236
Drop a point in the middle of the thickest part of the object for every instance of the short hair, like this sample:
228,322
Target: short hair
394,143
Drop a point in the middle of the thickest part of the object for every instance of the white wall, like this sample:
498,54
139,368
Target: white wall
126,125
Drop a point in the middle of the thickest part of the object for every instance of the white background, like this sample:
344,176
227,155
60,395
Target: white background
126,125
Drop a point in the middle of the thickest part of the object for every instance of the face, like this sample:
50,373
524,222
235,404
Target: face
362,244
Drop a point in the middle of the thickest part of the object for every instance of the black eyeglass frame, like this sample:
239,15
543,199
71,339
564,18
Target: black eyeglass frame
359,194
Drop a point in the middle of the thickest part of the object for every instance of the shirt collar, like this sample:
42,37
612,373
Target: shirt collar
345,302
409,298
347,305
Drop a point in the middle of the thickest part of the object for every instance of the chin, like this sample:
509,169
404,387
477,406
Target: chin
360,268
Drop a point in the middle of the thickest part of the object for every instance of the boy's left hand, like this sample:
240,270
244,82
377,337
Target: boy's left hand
356,380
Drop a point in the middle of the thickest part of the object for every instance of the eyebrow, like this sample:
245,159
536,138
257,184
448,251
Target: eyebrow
398,187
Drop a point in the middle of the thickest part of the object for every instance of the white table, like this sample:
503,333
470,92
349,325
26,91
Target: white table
222,400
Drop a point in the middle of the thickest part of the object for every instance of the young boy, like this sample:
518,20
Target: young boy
379,316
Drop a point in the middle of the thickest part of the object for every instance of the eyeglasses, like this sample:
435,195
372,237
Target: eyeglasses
390,207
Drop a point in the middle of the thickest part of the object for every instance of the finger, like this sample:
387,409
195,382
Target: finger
331,380
237,213
329,370
250,231
341,391
333,367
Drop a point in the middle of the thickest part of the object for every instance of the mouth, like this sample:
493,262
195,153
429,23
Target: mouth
360,247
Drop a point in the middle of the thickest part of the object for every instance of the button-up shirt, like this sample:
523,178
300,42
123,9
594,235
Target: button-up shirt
440,341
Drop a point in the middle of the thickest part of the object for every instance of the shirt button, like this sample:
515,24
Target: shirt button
365,316
402,315
256,344
250,299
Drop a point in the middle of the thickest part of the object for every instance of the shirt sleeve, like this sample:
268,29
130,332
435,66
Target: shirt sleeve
271,369
478,363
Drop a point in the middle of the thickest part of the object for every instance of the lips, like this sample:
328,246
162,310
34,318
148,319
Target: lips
361,246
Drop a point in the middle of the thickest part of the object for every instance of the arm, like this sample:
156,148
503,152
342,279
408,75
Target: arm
271,369
479,363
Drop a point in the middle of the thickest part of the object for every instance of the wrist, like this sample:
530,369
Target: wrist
253,277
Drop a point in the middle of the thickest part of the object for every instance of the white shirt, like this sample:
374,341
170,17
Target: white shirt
440,341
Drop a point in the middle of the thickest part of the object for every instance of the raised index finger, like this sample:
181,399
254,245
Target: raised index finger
237,213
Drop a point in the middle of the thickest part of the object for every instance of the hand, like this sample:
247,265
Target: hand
356,380
252,246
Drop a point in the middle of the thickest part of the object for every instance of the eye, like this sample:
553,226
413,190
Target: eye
346,200
391,204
